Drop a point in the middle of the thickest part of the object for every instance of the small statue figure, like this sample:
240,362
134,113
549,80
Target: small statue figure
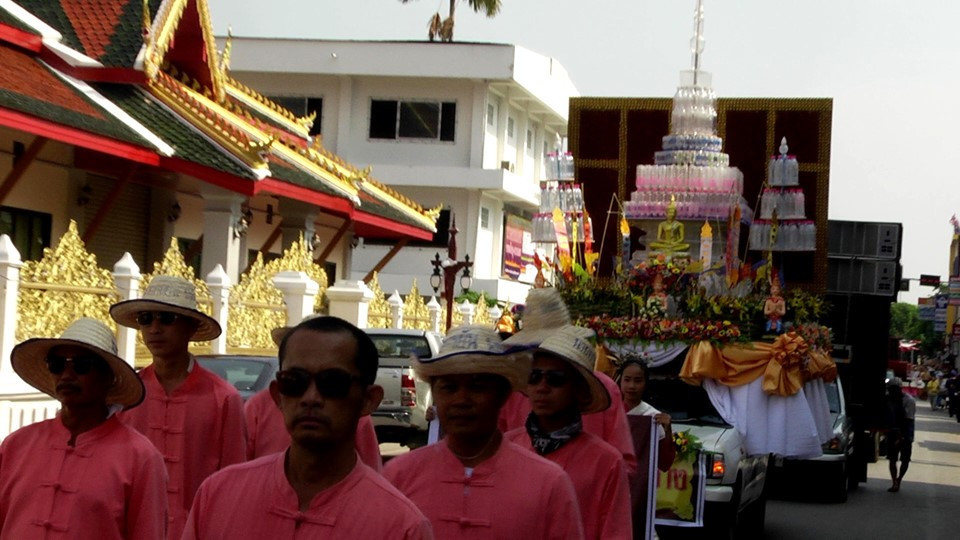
670,232
774,308
658,296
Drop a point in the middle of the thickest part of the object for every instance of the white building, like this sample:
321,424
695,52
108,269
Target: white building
465,125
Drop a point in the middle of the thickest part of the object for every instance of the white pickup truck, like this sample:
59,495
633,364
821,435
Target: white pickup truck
401,417
735,501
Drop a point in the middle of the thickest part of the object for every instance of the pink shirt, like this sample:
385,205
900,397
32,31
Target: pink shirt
255,500
600,480
514,494
111,484
267,434
610,425
198,429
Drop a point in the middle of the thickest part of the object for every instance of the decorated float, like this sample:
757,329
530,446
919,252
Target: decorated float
696,293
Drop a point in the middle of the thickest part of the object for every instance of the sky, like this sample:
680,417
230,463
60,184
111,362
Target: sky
890,66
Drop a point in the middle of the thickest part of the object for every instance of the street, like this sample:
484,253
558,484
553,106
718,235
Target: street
925,508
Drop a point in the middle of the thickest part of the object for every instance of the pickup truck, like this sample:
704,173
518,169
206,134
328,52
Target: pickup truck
735,501
401,417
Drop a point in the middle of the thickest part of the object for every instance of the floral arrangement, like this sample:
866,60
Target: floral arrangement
640,278
687,445
803,307
818,337
665,330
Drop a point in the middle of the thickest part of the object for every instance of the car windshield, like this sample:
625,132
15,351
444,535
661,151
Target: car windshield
247,375
683,402
400,346
833,397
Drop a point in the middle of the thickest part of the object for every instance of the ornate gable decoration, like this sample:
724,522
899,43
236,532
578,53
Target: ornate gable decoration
181,35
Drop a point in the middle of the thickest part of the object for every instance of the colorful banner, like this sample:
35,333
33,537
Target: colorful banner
926,309
680,493
643,494
954,291
518,246
563,242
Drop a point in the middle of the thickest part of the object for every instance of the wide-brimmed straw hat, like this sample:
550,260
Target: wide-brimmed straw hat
29,361
544,312
171,294
575,345
475,349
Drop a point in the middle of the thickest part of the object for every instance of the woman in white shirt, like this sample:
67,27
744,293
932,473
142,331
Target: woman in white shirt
632,378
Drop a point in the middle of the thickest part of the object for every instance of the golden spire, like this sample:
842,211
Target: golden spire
146,22
225,56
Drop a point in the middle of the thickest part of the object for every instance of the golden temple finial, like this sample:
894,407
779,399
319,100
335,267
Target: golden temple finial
308,120
146,22
434,213
227,48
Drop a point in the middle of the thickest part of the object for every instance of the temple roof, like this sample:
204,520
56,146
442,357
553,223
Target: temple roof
157,81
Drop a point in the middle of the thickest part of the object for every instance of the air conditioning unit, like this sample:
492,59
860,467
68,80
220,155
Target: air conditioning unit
507,165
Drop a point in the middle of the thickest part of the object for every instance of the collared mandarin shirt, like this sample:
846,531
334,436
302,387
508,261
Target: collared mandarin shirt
610,425
110,485
600,479
267,434
198,429
514,494
254,500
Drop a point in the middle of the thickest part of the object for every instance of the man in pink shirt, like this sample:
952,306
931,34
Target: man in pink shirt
190,414
544,313
84,474
474,483
318,488
561,386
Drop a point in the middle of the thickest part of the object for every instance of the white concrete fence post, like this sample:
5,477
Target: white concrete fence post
10,264
350,301
299,294
495,313
126,276
467,310
396,310
434,309
219,284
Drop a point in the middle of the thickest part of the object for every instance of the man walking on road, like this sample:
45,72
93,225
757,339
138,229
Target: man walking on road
191,415
318,487
903,410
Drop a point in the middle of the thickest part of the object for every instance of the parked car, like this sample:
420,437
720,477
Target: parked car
401,417
735,501
248,374
831,470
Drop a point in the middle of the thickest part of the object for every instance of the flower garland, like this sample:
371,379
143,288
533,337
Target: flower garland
685,330
687,445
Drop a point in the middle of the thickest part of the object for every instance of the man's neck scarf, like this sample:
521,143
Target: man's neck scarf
546,442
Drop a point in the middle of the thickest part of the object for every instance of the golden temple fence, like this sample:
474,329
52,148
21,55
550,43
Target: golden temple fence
413,312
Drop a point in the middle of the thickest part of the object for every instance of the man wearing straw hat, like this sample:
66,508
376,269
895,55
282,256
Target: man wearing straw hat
474,483
267,434
83,474
191,415
317,488
545,312
562,386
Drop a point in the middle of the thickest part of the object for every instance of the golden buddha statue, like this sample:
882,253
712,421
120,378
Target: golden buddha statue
670,232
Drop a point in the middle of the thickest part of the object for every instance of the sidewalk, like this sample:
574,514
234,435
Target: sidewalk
936,451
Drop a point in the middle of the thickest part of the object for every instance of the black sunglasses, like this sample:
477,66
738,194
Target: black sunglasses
166,318
82,365
555,377
330,383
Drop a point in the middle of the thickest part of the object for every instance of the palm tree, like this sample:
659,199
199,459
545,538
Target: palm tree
443,28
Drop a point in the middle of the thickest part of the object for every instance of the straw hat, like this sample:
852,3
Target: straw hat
29,361
543,314
171,294
575,345
475,349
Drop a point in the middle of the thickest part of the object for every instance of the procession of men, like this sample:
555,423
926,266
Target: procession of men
170,452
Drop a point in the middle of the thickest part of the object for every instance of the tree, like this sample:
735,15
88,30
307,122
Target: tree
443,28
905,323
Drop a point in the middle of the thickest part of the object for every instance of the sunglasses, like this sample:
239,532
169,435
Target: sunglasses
82,365
146,318
330,383
554,377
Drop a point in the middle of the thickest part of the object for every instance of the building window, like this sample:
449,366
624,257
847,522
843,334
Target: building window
530,139
395,119
484,218
491,115
510,127
303,106
29,231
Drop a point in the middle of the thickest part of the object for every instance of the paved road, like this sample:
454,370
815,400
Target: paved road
926,508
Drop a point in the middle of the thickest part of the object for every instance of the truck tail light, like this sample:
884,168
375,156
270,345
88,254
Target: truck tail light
408,391
716,467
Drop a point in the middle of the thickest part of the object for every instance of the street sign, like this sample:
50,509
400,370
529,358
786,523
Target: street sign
928,280
941,301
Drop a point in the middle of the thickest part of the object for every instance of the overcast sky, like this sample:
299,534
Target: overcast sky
890,66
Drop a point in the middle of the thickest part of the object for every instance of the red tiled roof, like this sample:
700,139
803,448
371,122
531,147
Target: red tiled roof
94,22
24,75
